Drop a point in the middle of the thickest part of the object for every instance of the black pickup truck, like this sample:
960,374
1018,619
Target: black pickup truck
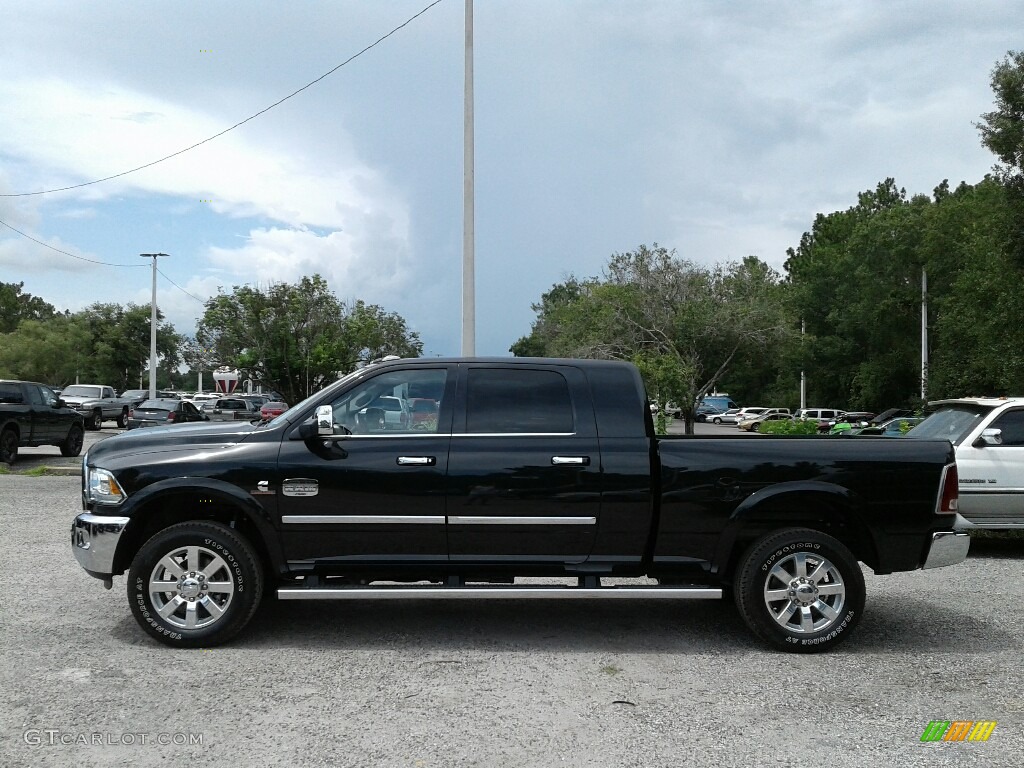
531,468
32,415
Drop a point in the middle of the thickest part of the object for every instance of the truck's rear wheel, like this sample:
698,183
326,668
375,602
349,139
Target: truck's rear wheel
122,420
800,590
72,445
195,584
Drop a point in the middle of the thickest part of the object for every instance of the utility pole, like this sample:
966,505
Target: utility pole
468,236
803,374
924,333
152,327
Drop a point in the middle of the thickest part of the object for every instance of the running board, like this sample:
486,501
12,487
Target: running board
490,593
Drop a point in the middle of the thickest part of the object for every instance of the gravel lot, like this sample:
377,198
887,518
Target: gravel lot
514,684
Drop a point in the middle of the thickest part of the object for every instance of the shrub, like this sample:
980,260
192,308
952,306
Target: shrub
783,427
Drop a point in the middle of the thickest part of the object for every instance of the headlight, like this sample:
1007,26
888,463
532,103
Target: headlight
103,487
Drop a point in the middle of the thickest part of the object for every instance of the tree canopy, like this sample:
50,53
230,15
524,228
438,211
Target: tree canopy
682,324
296,338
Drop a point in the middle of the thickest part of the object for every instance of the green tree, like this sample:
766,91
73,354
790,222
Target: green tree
1002,130
16,306
681,323
297,338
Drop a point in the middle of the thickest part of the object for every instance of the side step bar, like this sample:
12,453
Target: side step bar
523,592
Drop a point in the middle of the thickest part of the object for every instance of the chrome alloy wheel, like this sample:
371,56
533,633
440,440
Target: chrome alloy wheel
804,593
191,587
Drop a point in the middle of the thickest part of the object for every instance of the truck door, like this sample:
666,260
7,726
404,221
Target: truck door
45,419
377,494
524,472
992,476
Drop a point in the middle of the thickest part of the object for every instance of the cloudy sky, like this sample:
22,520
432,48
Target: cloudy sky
716,128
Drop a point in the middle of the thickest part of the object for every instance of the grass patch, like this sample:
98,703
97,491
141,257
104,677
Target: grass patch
611,670
6,469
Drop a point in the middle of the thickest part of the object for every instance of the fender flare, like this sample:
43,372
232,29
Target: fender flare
756,507
254,512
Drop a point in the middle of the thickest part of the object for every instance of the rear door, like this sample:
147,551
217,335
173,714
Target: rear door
524,471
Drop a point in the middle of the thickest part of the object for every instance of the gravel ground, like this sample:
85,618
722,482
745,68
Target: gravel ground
522,683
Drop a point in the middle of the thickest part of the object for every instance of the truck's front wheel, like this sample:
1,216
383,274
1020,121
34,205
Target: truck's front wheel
195,584
800,590
95,420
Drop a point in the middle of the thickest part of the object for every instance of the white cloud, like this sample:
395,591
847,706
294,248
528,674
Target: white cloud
83,131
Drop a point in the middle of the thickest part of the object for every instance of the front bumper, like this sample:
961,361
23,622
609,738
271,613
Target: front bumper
94,541
947,548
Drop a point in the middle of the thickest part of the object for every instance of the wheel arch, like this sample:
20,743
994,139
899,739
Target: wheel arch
824,507
179,500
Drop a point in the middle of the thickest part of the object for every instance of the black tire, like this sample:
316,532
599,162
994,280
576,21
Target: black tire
72,445
8,446
225,559
782,602
95,420
717,420
122,420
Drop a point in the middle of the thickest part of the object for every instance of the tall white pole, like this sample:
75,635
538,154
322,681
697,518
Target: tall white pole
924,333
803,374
468,249
152,328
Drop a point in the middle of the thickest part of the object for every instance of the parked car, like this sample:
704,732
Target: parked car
988,436
273,409
386,412
164,411
754,423
889,414
136,396
731,416
707,412
258,399
891,428
826,418
537,468
32,415
230,409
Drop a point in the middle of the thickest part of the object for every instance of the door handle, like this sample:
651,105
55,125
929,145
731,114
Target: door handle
579,461
417,461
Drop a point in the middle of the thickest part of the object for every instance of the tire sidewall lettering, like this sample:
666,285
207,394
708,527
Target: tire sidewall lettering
787,550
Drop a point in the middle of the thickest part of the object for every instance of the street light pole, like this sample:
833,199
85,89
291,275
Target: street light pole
152,327
468,235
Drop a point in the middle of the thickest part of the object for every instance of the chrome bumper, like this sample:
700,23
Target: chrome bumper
947,548
94,541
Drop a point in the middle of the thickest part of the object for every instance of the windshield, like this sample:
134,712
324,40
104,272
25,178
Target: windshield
951,422
79,391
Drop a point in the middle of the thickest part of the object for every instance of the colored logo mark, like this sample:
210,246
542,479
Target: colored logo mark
958,730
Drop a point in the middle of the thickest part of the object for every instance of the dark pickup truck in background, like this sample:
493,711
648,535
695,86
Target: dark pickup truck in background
532,468
32,415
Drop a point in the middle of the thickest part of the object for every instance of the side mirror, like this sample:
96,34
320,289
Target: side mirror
60,404
989,437
324,420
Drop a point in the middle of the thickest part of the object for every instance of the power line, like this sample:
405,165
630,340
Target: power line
236,125
72,255
165,277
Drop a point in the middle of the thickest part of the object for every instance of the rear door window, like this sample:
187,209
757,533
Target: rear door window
518,401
